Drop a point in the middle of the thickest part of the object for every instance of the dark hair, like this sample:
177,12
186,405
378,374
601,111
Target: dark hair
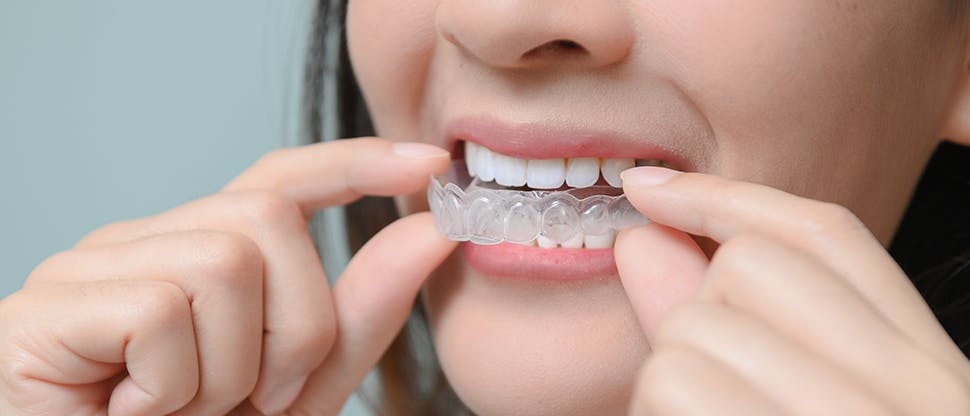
932,243
411,382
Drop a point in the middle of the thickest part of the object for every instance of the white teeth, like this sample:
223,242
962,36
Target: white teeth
545,242
577,241
578,172
600,241
471,158
582,172
546,173
611,170
485,164
509,171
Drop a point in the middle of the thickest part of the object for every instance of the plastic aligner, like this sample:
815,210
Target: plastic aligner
465,209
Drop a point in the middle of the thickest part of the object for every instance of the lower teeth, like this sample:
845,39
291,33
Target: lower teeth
466,210
580,240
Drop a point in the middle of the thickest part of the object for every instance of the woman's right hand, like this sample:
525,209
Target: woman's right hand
196,309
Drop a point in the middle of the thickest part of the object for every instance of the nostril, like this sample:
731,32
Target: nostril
556,47
565,44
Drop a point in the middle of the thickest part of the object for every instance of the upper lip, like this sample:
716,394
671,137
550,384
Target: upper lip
541,141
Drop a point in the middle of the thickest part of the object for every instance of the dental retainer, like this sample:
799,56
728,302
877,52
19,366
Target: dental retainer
467,209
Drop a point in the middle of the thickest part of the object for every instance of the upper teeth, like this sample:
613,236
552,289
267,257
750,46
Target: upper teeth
578,172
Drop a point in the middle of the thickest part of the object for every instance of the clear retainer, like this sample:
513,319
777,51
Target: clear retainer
466,209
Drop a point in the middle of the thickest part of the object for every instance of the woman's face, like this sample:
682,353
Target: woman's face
840,101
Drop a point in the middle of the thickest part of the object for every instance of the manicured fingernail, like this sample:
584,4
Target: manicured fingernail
648,176
412,150
280,398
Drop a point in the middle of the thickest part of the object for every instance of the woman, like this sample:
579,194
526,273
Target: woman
797,132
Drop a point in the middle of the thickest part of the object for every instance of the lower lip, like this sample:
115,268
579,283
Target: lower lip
525,262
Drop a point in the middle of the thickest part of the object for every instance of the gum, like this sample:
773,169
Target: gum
466,209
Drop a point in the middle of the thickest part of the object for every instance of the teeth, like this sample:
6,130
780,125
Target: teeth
545,242
582,172
611,170
578,241
486,164
578,172
575,242
546,173
600,241
509,171
471,158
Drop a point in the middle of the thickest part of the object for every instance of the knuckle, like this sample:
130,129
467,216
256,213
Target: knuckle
50,269
227,257
311,341
160,303
742,246
732,262
105,233
274,157
272,161
259,207
13,306
828,218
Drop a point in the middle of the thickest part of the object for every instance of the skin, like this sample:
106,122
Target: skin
810,123
841,102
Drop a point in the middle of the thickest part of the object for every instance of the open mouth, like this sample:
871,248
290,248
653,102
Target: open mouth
570,202
535,201
547,174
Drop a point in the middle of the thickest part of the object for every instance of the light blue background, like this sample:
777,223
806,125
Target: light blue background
117,109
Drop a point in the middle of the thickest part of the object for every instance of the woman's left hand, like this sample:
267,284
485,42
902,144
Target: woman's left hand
800,311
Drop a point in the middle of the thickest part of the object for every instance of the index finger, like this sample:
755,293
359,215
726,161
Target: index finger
334,173
723,209
373,298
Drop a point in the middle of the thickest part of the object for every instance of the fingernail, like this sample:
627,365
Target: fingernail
280,398
412,150
648,175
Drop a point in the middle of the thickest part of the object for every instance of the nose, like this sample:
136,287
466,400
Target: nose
538,33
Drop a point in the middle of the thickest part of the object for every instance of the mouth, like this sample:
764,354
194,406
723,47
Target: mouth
494,170
533,158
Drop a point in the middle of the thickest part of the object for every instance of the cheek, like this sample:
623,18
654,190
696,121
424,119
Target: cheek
844,90
391,44
764,71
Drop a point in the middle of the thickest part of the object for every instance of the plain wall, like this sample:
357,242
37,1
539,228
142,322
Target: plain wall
113,110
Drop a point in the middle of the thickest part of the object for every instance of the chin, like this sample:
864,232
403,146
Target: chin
533,347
